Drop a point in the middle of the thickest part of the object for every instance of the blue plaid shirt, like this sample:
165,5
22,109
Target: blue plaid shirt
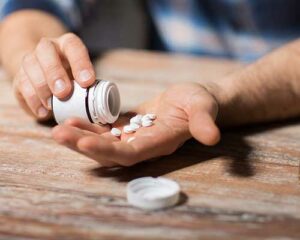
237,29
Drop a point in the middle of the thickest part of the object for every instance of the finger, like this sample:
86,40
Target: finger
20,98
67,136
85,125
202,113
36,76
104,130
204,129
52,67
87,147
77,55
31,99
125,153
102,150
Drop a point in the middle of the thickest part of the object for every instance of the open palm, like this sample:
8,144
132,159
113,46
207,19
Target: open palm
183,111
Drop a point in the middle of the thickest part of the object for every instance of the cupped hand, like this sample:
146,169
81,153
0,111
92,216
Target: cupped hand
183,111
48,70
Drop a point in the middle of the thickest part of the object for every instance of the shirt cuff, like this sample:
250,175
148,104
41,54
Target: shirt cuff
43,5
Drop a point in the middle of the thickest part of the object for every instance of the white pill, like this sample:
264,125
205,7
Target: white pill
148,116
145,118
137,119
116,132
151,116
147,123
135,126
128,129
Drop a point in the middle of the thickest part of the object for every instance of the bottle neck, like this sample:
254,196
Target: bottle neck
104,102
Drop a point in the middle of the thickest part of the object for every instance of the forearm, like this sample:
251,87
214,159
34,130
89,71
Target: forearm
266,90
21,31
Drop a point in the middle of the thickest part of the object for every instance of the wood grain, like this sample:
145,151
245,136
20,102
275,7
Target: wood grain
246,187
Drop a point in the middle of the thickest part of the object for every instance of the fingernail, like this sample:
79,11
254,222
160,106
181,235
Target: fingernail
49,103
59,86
42,112
84,76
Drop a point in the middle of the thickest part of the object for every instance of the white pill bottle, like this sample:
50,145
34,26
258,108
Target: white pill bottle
99,103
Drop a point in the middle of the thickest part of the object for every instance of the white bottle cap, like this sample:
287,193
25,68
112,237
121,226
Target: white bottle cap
153,193
99,103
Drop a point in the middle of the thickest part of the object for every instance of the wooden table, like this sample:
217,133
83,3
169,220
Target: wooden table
246,187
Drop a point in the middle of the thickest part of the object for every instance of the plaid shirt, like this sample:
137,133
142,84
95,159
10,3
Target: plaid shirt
237,29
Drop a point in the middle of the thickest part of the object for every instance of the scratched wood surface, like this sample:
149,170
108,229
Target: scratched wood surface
246,187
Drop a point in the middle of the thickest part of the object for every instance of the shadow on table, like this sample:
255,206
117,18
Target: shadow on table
232,147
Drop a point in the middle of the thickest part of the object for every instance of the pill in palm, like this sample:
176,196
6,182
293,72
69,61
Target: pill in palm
137,119
151,116
116,132
135,126
148,117
145,118
128,129
147,123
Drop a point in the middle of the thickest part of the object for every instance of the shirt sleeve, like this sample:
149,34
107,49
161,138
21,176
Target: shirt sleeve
68,11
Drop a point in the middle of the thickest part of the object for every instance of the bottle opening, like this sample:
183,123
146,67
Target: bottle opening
106,102
114,101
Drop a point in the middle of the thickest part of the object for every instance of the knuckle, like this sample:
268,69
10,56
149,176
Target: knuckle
79,57
70,39
53,70
33,100
74,45
42,88
78,60
69,35
43,43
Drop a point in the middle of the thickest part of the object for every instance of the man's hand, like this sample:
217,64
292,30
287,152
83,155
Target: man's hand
183,111
49,70
37,51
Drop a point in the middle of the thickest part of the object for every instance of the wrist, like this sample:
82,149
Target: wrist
260,91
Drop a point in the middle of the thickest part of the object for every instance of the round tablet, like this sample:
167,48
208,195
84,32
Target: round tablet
153,193
116,132
128,129
137,119
151,116
147,123
134,126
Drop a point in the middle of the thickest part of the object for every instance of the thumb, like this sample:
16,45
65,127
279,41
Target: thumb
202,125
